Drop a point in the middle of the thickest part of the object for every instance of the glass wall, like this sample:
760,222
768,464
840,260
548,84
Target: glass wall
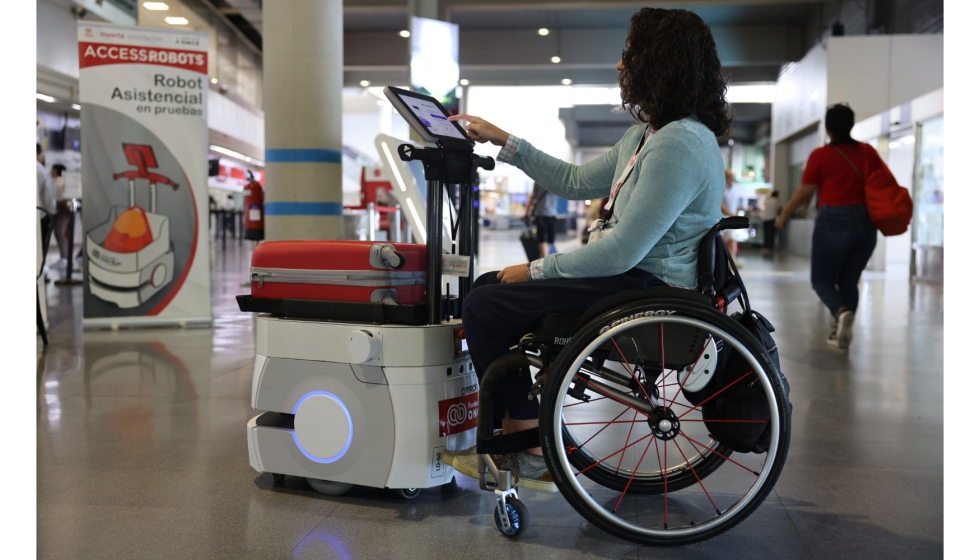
928,194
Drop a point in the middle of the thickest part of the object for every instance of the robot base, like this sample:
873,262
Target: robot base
364,405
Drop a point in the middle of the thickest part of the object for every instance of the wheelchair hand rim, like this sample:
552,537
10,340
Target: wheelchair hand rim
726,514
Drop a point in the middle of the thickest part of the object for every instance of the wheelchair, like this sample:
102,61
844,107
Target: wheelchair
623,441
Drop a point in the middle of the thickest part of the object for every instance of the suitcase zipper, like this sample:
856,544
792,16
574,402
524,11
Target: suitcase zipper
380,278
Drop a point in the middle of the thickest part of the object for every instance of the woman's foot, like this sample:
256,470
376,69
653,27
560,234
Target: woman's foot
531,472
845,328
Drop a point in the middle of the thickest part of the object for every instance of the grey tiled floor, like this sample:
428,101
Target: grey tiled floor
141,445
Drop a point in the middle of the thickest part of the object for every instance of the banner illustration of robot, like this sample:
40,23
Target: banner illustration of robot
130,257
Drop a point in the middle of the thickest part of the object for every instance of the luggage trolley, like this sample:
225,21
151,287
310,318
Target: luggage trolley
360,365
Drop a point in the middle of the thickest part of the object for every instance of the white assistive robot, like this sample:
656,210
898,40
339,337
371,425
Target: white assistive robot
371,394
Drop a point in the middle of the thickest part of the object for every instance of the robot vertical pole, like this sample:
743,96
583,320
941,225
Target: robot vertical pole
153,197
466,235
433,251
132,193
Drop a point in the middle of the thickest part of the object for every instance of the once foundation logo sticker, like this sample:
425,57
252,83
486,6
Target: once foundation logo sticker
458,414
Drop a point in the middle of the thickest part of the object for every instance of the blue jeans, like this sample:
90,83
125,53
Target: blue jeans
843,240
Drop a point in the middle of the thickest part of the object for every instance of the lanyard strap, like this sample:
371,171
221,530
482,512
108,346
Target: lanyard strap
608,209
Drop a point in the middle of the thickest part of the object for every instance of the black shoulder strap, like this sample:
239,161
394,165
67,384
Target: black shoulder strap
849,162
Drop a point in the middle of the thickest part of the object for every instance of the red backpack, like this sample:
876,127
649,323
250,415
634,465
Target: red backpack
889,204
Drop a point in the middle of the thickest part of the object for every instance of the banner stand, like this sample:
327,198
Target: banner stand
144,175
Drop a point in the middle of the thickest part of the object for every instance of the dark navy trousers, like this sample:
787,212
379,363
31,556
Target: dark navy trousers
496,316
843,241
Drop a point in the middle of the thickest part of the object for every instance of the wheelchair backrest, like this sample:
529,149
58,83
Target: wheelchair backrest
713,274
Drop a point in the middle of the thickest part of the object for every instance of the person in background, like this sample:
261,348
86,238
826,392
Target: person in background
843,237
46,197
61,216
543,205
768,212
728,207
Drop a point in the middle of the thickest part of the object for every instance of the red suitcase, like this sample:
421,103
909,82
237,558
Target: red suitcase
339,271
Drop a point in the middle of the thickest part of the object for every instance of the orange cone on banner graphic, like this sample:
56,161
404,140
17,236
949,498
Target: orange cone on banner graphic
130,233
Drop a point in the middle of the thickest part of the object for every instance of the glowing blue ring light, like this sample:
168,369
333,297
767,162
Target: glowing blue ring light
323,412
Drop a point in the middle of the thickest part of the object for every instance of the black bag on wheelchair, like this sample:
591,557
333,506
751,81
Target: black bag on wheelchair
733,406
738,416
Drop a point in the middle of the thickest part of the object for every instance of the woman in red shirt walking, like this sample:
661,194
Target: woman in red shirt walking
843,237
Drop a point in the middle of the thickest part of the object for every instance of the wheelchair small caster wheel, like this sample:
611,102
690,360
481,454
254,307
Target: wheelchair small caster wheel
409,493
517,515
278,479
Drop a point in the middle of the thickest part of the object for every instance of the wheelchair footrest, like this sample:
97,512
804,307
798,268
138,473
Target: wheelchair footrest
509,443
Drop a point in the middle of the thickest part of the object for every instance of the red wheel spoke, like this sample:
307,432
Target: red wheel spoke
690,466
625,363
600,430
628,436
720,391
585,402
718,454
613,453
632,476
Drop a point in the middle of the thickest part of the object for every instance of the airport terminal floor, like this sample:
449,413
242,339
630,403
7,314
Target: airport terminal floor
141,447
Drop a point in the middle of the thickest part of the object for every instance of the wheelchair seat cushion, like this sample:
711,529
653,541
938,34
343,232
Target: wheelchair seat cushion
556,329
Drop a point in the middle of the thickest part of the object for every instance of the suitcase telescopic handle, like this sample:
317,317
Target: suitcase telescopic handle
392,257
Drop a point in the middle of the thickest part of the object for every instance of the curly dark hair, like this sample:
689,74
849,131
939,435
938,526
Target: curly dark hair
671,71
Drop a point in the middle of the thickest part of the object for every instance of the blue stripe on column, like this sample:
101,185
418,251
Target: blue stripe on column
302,155
303,209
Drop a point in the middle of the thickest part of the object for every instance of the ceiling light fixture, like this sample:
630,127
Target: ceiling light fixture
176,20
566,81
405,33
76,106
464,82
543,31
365,83
46,98
156,6
214,80
556,59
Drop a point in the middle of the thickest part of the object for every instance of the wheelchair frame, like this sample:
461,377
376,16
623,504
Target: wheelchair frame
718,286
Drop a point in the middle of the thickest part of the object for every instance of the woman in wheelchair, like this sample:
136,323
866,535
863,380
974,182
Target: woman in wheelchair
665,180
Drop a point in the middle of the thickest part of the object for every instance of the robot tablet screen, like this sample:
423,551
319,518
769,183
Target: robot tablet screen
424,114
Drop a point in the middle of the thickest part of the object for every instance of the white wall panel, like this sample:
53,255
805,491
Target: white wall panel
801,95
858,70
228,117
916,66
57,38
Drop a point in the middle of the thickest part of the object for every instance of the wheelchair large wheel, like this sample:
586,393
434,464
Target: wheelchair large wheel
615,425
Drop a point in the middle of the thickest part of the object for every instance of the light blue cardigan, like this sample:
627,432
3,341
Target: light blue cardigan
661,213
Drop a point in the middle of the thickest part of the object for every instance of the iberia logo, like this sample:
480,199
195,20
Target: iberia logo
97,54
88,32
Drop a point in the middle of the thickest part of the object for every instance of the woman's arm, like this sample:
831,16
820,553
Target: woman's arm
669,177
574,182
800,198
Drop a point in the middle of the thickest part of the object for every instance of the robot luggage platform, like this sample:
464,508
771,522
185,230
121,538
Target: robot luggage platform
394,396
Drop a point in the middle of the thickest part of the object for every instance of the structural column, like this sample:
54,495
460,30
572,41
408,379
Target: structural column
303,69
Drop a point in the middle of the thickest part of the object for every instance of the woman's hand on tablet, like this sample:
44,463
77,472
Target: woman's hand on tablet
482,131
